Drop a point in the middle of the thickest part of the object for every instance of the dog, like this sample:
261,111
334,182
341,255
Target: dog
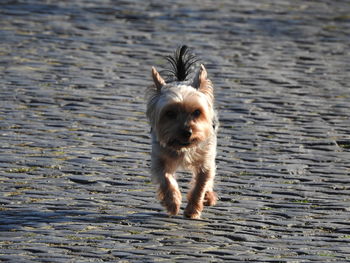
184,124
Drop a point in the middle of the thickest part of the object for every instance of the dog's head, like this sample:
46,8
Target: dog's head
181,113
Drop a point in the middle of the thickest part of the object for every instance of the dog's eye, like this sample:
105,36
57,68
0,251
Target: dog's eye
170,114
196,113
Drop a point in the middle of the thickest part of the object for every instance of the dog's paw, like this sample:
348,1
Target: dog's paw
193,211
172,208
192,215
171,200
210,198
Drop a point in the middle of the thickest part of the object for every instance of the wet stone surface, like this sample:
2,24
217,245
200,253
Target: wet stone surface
74,142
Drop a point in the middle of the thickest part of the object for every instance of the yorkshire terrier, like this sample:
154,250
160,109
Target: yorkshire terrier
183,124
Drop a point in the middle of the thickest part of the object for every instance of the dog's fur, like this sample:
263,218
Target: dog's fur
183,127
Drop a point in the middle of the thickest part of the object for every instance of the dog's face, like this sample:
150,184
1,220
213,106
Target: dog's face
181,115
183,118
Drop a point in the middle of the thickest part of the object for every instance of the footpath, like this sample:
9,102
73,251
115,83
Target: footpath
74,140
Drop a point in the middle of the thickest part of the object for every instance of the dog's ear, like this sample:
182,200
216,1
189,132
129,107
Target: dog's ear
200,80
158,80
202,83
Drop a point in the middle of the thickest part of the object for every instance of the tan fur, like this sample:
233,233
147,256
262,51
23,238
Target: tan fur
183,122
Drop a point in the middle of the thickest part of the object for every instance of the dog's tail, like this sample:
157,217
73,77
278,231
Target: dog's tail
180,64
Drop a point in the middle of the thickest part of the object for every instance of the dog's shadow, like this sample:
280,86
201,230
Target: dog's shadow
19,218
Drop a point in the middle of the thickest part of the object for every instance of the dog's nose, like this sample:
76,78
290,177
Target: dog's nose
186,133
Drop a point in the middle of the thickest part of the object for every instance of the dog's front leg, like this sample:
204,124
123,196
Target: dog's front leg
163,170
201,193
169,194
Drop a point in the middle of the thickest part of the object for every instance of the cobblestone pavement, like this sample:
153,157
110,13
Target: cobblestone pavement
74,154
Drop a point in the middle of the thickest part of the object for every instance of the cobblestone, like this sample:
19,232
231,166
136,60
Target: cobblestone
74,154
